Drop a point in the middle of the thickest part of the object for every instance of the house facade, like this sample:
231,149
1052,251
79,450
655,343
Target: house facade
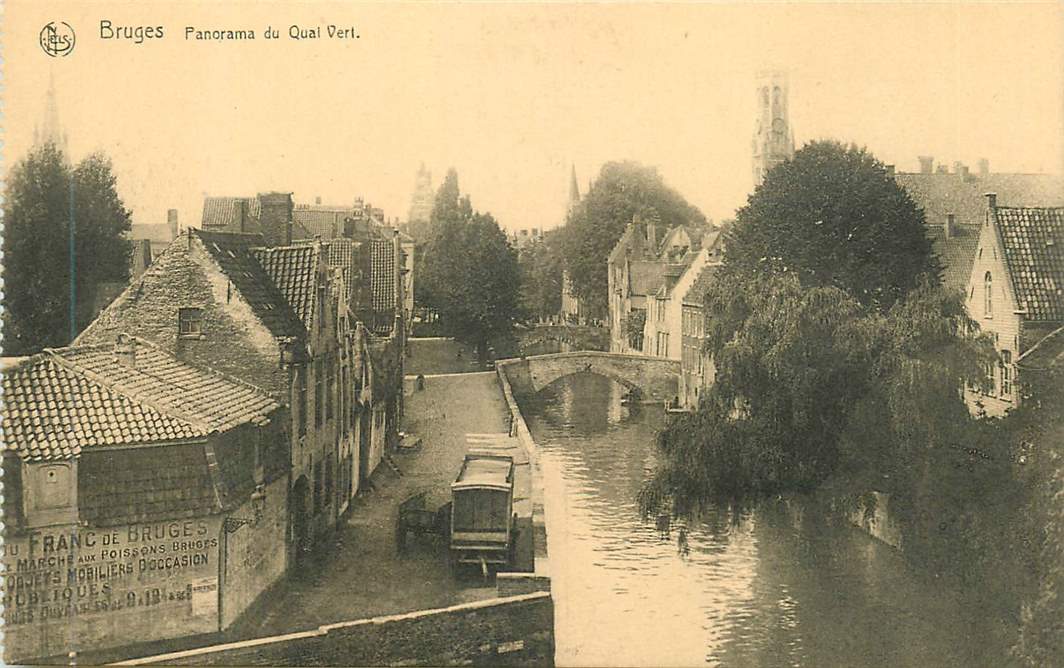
144,498
270,315
1015,293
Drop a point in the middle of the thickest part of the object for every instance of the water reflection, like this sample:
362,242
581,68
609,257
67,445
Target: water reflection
770,587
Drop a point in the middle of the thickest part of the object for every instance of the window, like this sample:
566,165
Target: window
988,296
317,487
319,391
189,322
330,386
303,400
1006,373
328,481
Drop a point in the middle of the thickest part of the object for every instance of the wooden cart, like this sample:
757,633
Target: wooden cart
482,514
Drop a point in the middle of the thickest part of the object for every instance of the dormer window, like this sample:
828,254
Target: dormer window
988,295
190,322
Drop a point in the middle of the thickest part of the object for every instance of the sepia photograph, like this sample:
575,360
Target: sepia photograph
532,333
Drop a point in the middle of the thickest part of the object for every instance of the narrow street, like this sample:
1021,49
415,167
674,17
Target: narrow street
363,574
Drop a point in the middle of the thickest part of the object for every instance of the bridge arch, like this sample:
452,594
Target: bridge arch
656,378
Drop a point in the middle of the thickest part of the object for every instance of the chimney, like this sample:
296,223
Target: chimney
927,163
275,218
991,201
984,167
951,222
241,206
890,170
171,220
317,200
125,351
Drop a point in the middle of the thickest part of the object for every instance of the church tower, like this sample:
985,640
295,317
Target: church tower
48,131
773,139
421,203
574,192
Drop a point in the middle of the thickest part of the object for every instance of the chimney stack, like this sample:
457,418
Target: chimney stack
951,222
275,218
890,170
984,167
125,350
927,164
991,201
317,200
171,220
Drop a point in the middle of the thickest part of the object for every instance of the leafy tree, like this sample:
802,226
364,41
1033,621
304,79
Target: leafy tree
833,216
37,259
471,277
541,276
621,190
809,383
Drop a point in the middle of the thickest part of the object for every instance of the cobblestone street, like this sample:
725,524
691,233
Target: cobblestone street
363,574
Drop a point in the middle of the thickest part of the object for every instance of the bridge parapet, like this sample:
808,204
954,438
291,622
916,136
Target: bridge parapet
655,377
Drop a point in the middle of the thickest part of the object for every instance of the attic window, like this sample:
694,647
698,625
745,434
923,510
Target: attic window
231,253
190,322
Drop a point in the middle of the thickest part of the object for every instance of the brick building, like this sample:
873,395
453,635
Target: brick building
1015,292
144,498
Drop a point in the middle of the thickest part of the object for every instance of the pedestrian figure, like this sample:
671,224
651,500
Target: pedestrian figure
420,382
681,543
459,355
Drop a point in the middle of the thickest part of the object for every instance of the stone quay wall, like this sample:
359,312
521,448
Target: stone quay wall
513,631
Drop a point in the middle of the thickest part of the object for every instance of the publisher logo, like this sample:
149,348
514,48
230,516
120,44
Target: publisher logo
57,39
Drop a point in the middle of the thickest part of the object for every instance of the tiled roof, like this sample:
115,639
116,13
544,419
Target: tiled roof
942,194
1034,251
382,275
696,293
343,255
293,269
325,222
235,254
1044,355
956,253
63,400
51,412
222,212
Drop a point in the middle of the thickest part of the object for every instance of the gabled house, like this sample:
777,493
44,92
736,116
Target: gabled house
144,498
664,323
267,315
696,365
1015,292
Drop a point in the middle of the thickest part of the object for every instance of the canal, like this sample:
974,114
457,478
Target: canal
764,588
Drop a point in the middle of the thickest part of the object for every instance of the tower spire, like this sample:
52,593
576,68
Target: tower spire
574,190
49,131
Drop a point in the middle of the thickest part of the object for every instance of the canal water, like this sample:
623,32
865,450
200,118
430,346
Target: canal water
769,587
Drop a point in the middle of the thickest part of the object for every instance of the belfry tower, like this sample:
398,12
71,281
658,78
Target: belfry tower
773,139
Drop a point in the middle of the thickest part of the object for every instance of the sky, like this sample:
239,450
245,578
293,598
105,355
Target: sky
512,95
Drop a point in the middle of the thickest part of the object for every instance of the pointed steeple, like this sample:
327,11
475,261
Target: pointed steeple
49,130
574,191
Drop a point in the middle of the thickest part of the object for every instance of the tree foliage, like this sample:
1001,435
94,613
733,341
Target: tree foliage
541,276
834,216
470,274
803,375
594,227
37,258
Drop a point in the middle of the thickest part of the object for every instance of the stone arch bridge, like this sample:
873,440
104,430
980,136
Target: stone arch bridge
656,378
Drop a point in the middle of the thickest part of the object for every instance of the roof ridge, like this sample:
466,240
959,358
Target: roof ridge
118,388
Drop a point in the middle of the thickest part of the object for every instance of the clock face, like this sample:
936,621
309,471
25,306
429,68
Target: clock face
778,126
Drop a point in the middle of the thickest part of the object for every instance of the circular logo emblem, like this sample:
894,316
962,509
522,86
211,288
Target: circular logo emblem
57,39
